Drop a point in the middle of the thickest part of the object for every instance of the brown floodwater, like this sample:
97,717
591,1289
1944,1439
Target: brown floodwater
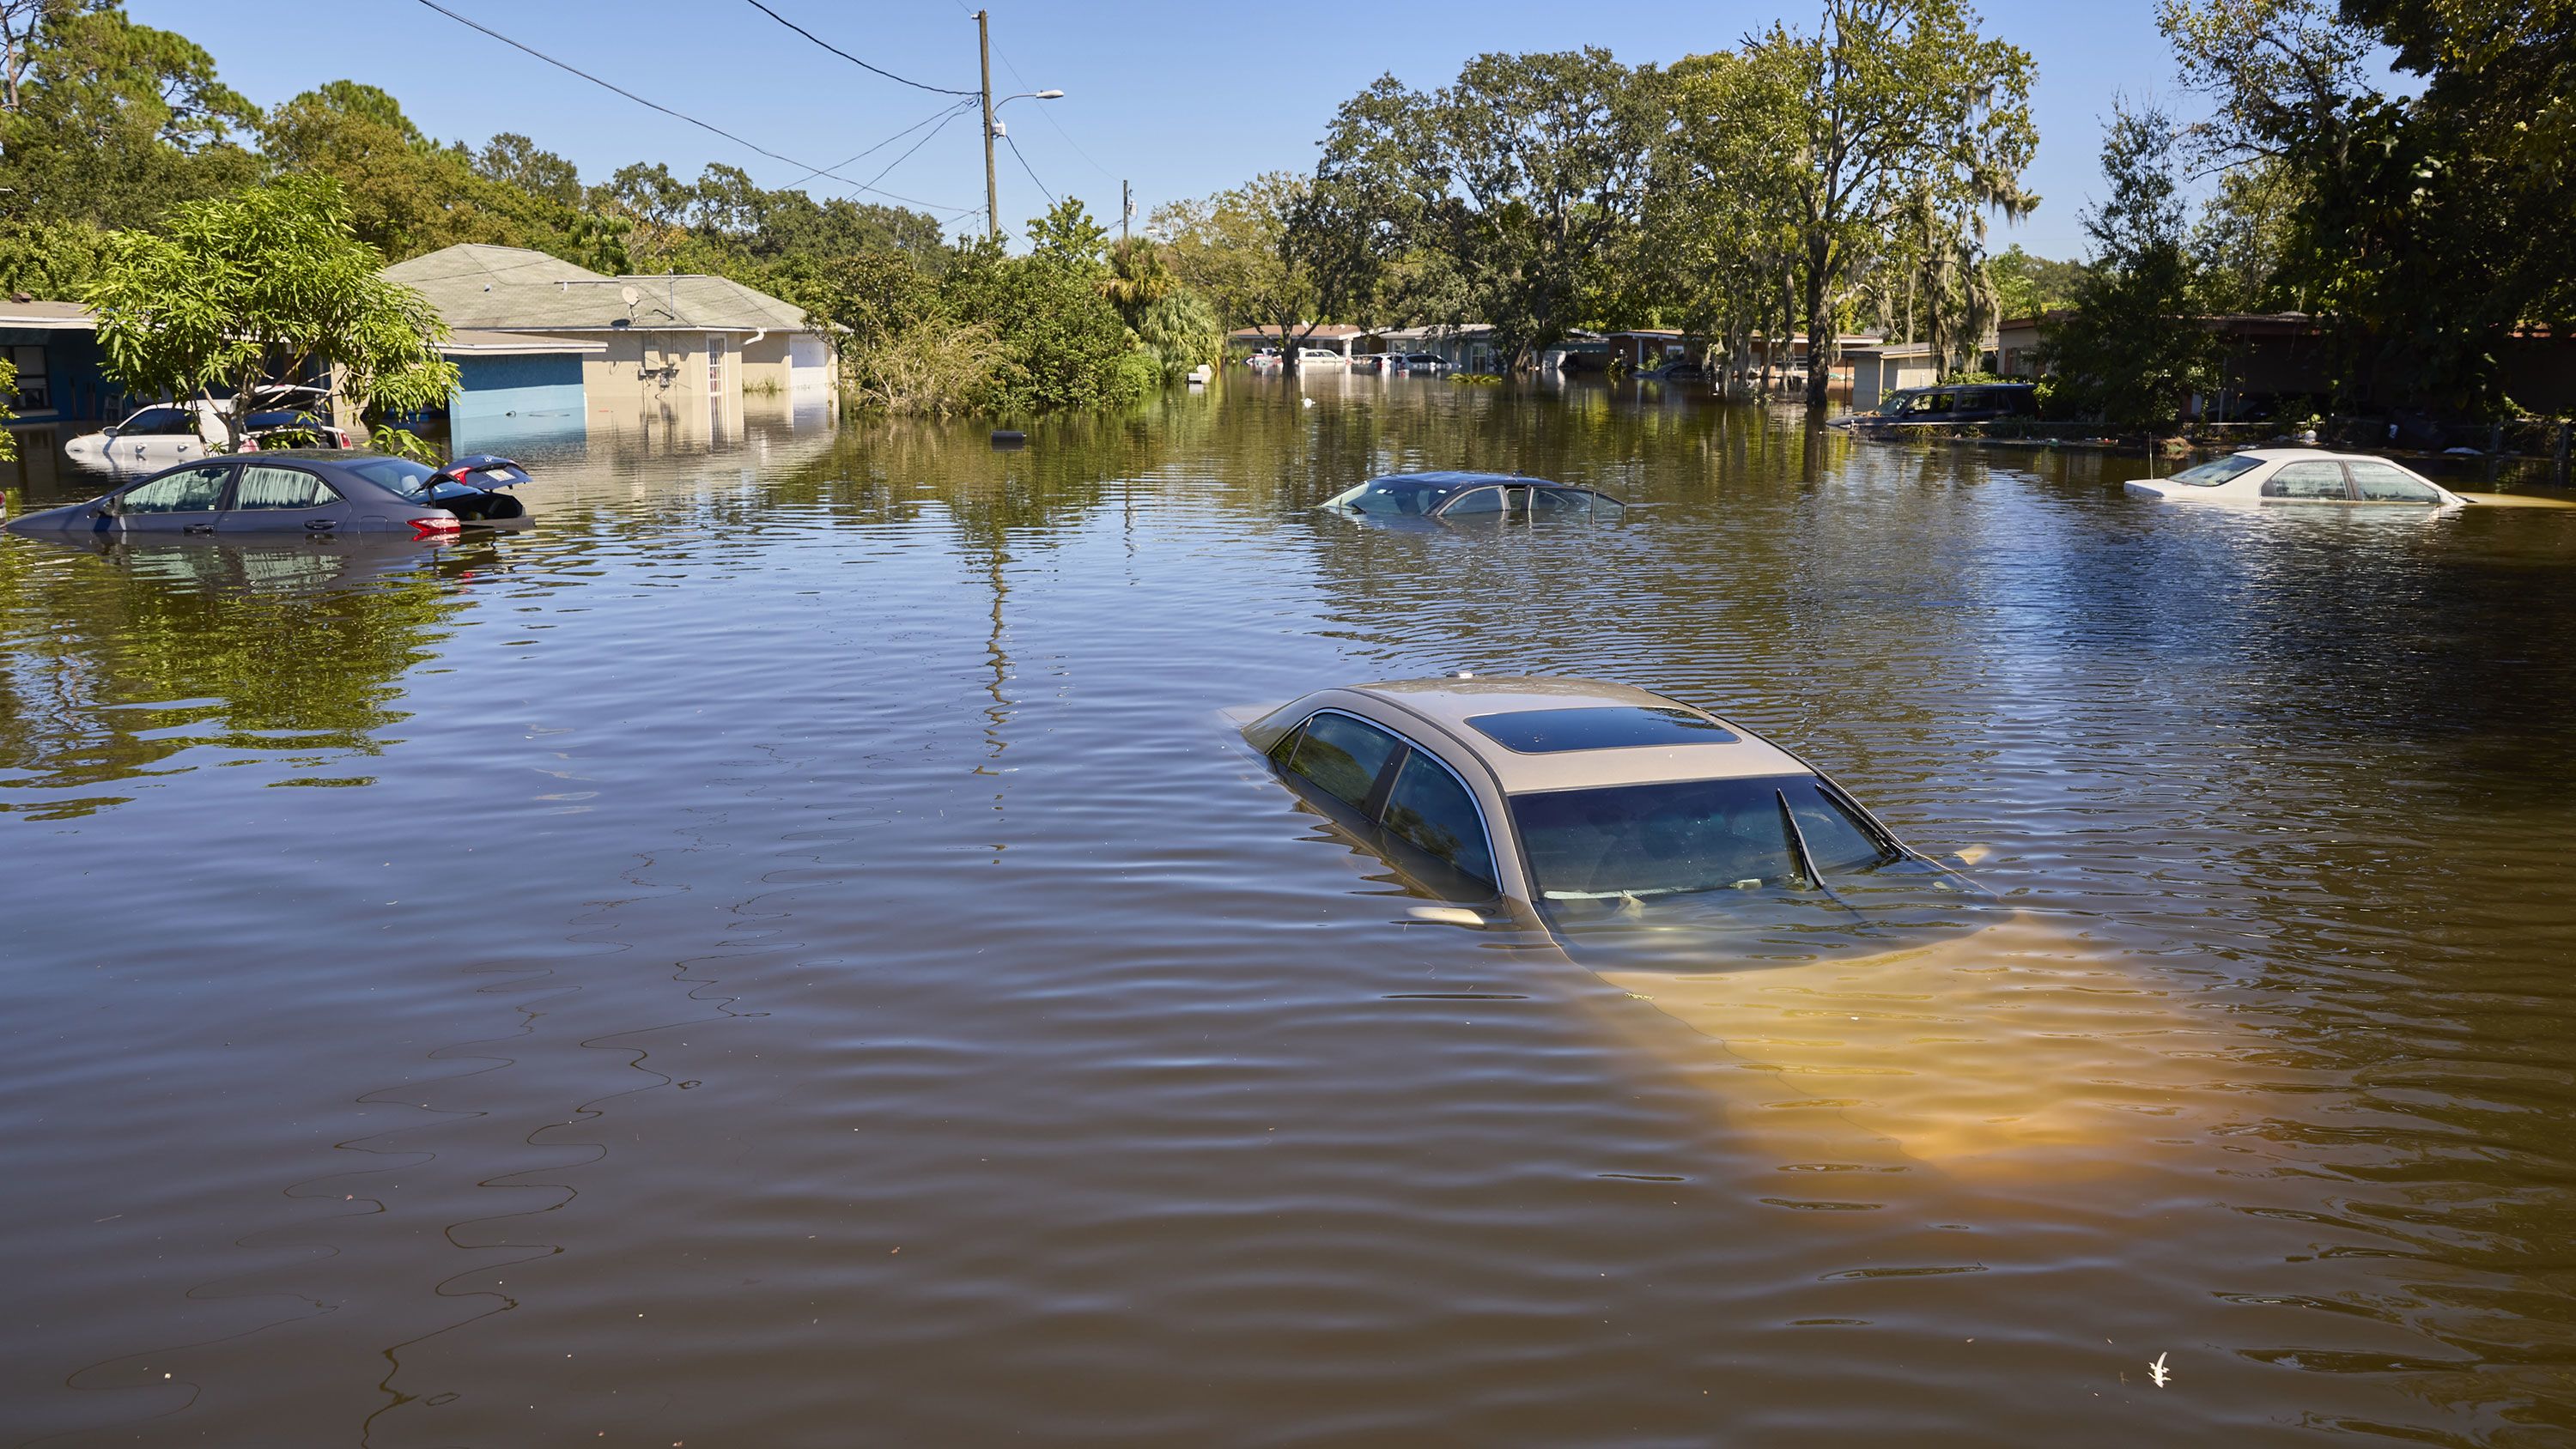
784,954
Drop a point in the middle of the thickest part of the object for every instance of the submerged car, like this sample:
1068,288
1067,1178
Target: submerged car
1635,829
1461,497
1952,403
167,433
2300,475
315,493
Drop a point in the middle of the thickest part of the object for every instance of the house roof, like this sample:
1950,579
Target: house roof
476,342
479,287
48,316
1333,331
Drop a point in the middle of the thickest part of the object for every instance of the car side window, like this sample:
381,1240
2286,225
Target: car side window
2381,483
1342,757
1475,500
157,423
1559,503
1428,809
190,490
274,487
2311,481
1835,841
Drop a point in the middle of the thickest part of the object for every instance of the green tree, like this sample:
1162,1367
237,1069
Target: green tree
1517,183
269,281
1719,236
1239,250
2422,228
2134,351
513,160
1903,106
2027,286
112,121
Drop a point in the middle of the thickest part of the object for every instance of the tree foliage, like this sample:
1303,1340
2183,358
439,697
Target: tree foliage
1510,189
2423,228
269,281
2135,349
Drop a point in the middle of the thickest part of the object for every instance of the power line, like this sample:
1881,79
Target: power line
943,114
852,59
953,113
1007,140
678,116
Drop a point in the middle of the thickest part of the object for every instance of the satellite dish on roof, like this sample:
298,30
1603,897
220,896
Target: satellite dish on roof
630,295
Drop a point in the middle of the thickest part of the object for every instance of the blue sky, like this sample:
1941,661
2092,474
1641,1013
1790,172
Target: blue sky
1181,99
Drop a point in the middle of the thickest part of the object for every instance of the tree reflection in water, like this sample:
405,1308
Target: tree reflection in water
122,659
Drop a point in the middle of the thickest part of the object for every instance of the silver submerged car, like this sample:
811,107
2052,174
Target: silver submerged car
314,493
1636,829
1474,497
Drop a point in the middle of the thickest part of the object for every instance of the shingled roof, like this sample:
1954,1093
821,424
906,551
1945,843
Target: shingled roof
510,289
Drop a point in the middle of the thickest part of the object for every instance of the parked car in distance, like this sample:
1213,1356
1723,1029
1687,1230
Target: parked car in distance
1320,359
1424,362
166,433
2264,476
1475,497
1262,359
1675,372
1369,362
313,493
1607,814
1972,402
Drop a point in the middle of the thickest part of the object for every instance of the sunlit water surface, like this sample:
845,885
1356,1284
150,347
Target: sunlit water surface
783,955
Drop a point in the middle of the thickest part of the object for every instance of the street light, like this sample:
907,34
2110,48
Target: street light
992,128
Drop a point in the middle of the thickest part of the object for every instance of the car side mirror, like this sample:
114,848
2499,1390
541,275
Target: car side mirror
112,504
108,433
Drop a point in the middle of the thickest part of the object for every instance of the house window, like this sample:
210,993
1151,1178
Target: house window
715,364
35,393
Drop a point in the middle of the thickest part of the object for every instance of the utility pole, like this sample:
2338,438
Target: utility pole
1126,209
992,190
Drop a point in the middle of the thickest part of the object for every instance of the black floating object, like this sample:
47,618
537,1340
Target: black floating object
1010,438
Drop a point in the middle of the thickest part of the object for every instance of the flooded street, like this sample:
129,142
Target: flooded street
785,954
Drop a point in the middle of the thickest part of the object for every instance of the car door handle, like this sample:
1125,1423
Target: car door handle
321,525
197,528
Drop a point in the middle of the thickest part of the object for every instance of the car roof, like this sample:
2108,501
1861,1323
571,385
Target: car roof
1452,703
2283,455
1466,479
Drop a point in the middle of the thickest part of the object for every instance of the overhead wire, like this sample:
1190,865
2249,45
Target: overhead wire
1050,115
570,69
852,59
943,114
1009,141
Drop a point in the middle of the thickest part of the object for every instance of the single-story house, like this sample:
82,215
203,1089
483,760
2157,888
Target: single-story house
54,346
1883,368
1339,338
669,342
1641,348
1465,347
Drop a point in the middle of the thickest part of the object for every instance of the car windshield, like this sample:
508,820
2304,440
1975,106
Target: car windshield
1690,835
402,475
1393,495
2210,475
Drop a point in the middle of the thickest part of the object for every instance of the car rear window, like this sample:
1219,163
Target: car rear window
402,475
2210,475
2384,483
1598,727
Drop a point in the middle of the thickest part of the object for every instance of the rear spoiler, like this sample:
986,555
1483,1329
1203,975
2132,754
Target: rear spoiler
486,471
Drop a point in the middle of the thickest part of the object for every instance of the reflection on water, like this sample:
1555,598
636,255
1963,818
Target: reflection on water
787,949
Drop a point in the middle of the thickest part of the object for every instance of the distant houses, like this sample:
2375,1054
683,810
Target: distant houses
542,348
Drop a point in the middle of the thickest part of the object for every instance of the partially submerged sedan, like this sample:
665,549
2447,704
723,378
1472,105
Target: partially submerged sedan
1475,497
318,493
2262,476
1629,825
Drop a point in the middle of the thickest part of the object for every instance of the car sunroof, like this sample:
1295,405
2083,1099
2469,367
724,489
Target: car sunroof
1610,727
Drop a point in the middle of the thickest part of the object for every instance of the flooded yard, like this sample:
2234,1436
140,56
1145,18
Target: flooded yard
786,954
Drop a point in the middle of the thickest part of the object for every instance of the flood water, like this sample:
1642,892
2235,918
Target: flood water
784,955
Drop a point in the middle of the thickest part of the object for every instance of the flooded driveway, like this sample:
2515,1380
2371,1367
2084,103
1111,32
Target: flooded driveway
785,955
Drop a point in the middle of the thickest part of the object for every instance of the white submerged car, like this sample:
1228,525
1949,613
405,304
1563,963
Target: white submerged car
2301,476
1618,821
